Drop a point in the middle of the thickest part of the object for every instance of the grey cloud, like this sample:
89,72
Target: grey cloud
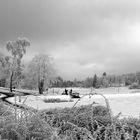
91,36
56,20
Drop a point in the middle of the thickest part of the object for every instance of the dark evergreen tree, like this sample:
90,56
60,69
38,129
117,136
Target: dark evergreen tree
95,81
104,74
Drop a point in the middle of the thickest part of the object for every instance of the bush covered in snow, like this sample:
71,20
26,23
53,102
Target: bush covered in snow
77,123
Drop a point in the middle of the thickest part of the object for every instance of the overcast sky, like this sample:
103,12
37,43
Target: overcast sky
83,36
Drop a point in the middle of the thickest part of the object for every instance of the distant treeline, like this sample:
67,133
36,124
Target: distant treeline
40,72
132,79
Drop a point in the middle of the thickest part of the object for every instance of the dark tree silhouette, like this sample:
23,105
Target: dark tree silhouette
95,81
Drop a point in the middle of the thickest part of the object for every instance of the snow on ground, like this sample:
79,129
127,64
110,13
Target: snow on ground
1,95
127,104
38,103
110,90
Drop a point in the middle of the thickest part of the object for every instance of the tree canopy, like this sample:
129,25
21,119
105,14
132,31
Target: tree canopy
17,49
40,71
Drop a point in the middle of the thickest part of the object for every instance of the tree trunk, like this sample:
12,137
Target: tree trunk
41,86
11,82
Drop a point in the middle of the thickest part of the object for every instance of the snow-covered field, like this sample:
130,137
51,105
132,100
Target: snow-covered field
111,90
121,100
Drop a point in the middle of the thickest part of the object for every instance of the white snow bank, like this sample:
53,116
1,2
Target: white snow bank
108,96
1,96
128,104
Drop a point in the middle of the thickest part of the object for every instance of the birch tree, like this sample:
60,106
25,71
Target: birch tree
17,50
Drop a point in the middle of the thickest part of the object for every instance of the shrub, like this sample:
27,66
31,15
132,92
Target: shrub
77,123
88,122
55,100
134,86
